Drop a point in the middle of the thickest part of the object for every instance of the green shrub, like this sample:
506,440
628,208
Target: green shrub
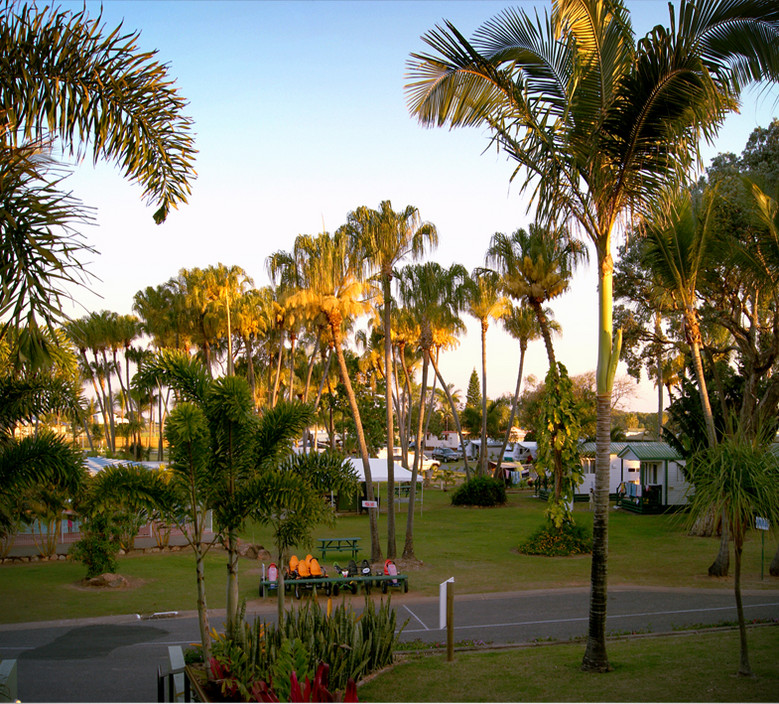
480,491
569,539
97,549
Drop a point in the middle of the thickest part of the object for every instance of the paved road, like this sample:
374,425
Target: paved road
115,659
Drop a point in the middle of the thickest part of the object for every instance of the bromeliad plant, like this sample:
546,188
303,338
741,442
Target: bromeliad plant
352,645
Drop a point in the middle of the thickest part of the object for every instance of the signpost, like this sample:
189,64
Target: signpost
446,614
763,525
370,504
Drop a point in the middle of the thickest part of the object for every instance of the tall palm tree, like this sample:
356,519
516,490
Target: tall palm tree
333,291
387,237
225,286
582,107
536,266
484,301
434,295
521,322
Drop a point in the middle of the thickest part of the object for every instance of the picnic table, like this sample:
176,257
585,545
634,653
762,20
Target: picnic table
351,545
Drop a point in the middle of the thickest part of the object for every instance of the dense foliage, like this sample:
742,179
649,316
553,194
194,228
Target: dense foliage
569,539
480,491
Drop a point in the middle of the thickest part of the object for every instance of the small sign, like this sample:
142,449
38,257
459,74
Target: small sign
370,504
761,523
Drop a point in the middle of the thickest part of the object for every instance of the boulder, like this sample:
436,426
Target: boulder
108,579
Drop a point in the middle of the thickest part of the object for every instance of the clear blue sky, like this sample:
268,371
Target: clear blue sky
300,117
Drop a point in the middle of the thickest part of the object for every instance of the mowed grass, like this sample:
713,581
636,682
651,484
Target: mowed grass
476,546
681,668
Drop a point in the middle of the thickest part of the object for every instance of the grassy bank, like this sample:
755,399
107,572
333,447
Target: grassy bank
681,668
476,546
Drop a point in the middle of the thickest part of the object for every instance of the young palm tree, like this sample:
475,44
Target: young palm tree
738,479
240,445
581,107
484,300
387,237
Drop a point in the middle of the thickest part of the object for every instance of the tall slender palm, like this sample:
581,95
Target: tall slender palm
434,295
333,290
224,287
521,322
250,325
484,302
536,266
387,237
675,251
582,107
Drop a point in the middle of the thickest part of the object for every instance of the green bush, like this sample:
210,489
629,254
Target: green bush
548,540
480,491
97,549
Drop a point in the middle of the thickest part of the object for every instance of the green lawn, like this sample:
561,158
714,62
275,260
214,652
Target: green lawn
476,546
683,668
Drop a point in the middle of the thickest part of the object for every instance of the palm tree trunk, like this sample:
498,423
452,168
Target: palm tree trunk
718,568
325,373
232,583
483,434
202,607
110,403
277,380
292,340
387,293
514,403
372,512
408,548
310,370
456,417
595,657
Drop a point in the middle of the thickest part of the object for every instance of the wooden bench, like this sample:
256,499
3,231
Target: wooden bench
336,583
350,545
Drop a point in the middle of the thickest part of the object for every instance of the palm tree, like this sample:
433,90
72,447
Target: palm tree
225,286
536,266
387,237
240,445
334,292
67,78
434,295
581,107
521,323
738,479
675,251
484,301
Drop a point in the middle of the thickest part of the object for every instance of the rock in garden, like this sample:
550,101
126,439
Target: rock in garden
108,579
